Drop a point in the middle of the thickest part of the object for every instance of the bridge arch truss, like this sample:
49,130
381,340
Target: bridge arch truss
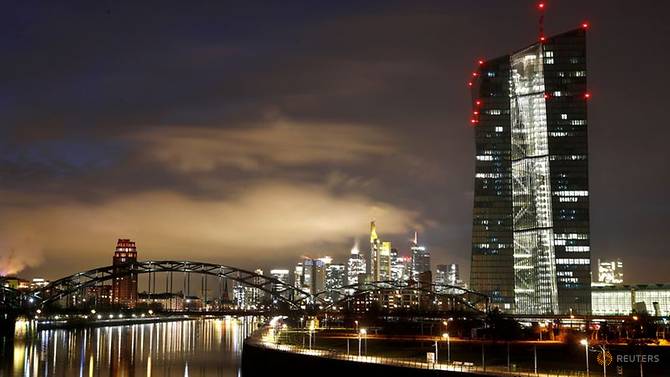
478,302
294,297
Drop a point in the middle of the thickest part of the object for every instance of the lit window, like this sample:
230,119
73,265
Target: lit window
564,116
499,129
573,261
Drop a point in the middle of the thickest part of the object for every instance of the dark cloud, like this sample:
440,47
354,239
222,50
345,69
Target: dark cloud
200,109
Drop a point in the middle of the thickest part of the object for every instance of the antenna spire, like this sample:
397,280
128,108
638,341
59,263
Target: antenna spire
540,7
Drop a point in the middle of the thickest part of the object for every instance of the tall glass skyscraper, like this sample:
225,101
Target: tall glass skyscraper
530,242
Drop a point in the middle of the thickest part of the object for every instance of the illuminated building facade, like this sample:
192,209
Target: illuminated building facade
124,288
99,294
244,296
441,275
379,268
653,299
336,278
401,267
283,276
530,242
420,257
610,272
448,274
356,267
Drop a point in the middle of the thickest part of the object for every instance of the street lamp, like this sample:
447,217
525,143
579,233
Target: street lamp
361,333
446,336
585,343
356,322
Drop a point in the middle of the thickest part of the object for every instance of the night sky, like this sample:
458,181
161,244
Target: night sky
251,134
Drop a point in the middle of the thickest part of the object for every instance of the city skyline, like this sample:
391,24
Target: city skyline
208,141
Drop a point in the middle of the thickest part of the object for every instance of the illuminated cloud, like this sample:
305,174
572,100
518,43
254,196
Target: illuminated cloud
282,143
267,220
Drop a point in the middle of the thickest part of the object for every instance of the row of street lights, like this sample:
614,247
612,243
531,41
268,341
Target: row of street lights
362,334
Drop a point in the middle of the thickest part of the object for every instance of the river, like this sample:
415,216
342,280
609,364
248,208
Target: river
203,347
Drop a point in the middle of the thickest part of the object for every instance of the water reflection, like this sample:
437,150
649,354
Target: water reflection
204,347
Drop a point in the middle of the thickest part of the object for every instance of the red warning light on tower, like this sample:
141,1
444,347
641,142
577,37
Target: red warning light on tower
540,6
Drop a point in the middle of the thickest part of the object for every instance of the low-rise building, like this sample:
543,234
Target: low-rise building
167,301
623,299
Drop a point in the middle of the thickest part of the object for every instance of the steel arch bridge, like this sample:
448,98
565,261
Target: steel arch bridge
476,301
294,297
9,297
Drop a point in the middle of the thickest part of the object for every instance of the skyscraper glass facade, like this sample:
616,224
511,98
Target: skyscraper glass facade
530,249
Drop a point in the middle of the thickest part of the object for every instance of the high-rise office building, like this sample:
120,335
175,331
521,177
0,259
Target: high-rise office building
336,278
124,288
448,274
401,267
356,267
280,274
310,274
453,276
441,276
299,276
420,257
379,257
283,276
530,241
611,271
248,297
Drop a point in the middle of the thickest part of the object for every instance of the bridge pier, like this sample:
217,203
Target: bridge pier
7,323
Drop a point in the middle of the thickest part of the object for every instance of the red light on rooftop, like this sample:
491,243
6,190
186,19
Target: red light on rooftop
585,25
546,95
474,74
480,61
540,6
473,121
470,83
587,95
542,38
478,102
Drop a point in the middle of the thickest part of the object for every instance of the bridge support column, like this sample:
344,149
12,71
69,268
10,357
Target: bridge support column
7,323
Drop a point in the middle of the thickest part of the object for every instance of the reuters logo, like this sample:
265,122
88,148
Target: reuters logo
604,358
